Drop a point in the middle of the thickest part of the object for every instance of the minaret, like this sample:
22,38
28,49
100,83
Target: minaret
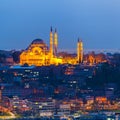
80,51
55,42
51,43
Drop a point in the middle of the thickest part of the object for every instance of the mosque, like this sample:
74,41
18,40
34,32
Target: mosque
39,54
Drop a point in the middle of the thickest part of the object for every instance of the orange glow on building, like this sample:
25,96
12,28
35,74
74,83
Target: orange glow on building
93,58
55,42
39,54
79,51
101,99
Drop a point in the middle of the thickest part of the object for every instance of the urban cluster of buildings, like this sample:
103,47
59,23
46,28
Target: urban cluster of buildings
40,81
54,90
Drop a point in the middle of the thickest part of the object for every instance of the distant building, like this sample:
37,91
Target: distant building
45,107
38,53
9,60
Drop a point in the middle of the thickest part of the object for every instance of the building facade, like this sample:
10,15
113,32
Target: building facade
39,54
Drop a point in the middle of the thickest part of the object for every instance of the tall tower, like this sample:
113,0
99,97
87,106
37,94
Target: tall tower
51,43
55,42
79,51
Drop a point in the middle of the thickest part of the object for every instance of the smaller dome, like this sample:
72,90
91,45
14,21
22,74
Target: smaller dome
38,41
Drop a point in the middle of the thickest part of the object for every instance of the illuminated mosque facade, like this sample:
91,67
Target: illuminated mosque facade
39,54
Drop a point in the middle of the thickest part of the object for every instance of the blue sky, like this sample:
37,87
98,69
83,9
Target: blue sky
96,22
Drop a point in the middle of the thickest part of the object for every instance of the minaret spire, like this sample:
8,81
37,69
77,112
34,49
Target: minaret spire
55,30
55,42
79,51
51,43
51,29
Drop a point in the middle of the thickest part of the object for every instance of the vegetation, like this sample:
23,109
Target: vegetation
106,74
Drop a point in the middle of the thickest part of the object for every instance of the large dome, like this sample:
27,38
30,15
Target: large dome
38,41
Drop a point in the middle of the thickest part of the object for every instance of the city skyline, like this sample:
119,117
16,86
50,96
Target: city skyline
60,59
96,23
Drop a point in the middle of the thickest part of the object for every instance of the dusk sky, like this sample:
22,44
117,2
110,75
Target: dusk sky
96,22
